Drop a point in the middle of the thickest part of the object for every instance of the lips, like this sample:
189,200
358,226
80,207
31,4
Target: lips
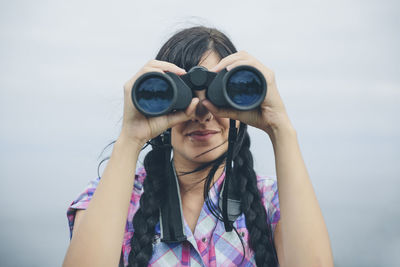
202,135
202,132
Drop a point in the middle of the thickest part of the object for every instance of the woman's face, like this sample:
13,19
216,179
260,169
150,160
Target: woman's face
203,138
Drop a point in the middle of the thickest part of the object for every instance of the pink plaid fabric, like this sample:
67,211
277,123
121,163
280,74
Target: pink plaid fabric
209,245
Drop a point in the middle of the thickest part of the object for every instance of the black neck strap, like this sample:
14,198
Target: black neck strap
230,201
171,215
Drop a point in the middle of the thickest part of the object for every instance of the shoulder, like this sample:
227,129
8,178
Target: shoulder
268,189
267,186
83,199
140,176
137,192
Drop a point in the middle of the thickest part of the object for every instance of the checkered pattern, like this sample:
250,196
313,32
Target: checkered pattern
210,245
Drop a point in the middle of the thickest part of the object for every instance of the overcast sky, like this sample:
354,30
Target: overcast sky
63,64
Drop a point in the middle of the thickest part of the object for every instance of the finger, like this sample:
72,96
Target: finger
238,63
191,109
268,73
225,62
221,112
229,60
128,85
167,66
151,69
181,116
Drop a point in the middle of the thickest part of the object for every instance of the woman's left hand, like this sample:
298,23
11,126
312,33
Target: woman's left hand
271,114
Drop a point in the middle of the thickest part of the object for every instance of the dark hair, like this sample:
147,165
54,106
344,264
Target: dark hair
185,49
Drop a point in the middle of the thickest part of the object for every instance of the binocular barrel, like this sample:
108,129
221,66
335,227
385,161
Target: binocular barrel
242,88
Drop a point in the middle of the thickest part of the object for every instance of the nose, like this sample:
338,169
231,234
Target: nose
202,113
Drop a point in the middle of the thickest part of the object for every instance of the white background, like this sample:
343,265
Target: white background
63,64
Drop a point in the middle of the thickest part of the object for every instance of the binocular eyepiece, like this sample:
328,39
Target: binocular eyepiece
243,88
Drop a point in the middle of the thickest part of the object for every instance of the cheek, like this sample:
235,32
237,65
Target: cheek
175,137
224,122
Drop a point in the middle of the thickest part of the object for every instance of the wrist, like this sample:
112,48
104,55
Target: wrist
129,143
281,129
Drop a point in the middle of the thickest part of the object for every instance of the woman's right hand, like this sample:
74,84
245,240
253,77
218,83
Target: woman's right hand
138,128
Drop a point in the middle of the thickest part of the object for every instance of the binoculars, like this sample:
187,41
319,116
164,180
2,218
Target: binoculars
243,88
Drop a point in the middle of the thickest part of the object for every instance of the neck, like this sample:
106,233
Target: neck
193,182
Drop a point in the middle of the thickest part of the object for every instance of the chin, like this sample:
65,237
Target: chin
198,153
198,157
205,159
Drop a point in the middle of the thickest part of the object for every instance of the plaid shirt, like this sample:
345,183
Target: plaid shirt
209,245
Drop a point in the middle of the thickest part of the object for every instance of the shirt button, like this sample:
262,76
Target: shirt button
242,234
204,239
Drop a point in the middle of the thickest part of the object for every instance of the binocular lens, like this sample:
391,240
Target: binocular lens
154,95
244,88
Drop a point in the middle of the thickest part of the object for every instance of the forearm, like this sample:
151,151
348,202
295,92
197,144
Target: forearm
98,239
304,234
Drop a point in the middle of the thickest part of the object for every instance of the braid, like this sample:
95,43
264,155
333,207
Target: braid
260,233
147,216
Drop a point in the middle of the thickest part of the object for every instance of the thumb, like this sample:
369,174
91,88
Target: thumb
181,116
221,112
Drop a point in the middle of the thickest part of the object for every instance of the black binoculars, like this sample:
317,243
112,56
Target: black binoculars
243,88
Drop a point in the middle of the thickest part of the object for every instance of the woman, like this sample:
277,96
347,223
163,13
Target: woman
294,235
